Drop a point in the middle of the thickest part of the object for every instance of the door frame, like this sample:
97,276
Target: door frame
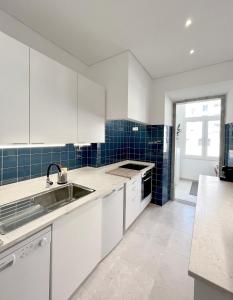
222,134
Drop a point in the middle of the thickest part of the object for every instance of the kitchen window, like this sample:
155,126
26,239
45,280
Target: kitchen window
202,129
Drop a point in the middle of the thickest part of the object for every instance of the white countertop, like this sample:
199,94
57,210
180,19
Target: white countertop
95,178
212,245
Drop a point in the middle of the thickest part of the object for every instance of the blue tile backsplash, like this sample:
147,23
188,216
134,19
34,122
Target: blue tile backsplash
25,163
149,143
228,156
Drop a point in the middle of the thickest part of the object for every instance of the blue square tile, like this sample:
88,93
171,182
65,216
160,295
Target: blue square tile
8,152
37,150
9,161
10,173
36,169
24,160
24,172
36,158
24,151
64,155
46,158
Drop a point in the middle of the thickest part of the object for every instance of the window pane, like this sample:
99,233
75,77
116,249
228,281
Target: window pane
193,110
214,108
193,138
213,142
203,108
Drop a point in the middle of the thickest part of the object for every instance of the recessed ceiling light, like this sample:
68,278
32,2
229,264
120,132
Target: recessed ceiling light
191,51
188,23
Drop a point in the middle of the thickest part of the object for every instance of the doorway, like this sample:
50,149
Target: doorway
198,141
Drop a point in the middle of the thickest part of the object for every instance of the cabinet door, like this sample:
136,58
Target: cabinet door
53,101
132,201
14,91
76,248
91,111
112,220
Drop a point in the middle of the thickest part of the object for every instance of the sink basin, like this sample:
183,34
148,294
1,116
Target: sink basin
20,212
61,196
136,167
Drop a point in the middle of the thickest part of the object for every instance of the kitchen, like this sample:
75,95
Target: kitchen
87,208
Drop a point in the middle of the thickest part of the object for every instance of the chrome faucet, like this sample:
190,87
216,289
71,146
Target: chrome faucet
48,181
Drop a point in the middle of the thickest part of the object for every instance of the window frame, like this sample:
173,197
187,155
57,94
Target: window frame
223,146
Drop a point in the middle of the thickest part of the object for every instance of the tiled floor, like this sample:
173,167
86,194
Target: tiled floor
182,191
151,262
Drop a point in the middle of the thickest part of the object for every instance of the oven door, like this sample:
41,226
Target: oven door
146,185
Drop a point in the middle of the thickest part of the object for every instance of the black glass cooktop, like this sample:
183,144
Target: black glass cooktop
134,166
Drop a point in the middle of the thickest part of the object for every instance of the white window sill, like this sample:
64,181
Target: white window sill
201,157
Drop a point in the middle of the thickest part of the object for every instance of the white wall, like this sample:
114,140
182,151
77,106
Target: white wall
157,106
113,74
229,105
168,111
190,168
139,91
27,36
213,89
202,82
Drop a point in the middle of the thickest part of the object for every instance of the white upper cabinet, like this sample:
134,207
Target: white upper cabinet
14,91
139,91
128,87
53,101
91,111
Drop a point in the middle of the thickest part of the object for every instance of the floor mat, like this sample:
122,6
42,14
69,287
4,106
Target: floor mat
186,202
194,188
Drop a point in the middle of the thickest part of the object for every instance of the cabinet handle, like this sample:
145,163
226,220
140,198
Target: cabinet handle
121,188
109,194
113,191
146,179
19,143
37,143
7,263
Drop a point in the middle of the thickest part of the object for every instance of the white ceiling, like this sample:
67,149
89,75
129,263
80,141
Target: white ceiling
153,30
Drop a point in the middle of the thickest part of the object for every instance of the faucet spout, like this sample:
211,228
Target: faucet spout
48,181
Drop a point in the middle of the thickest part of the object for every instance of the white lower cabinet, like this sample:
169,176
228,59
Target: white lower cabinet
112,220
145,202
76,248
83,237
132,200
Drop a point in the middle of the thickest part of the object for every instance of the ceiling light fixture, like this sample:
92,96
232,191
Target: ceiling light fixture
191,51
188,23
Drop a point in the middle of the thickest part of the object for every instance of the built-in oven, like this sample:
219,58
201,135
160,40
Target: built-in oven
146,184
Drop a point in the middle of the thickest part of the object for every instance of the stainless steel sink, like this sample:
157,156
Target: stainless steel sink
20,212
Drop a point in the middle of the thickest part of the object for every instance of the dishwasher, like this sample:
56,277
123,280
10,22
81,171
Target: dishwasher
25,269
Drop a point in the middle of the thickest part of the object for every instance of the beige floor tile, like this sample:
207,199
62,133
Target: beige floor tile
150,263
